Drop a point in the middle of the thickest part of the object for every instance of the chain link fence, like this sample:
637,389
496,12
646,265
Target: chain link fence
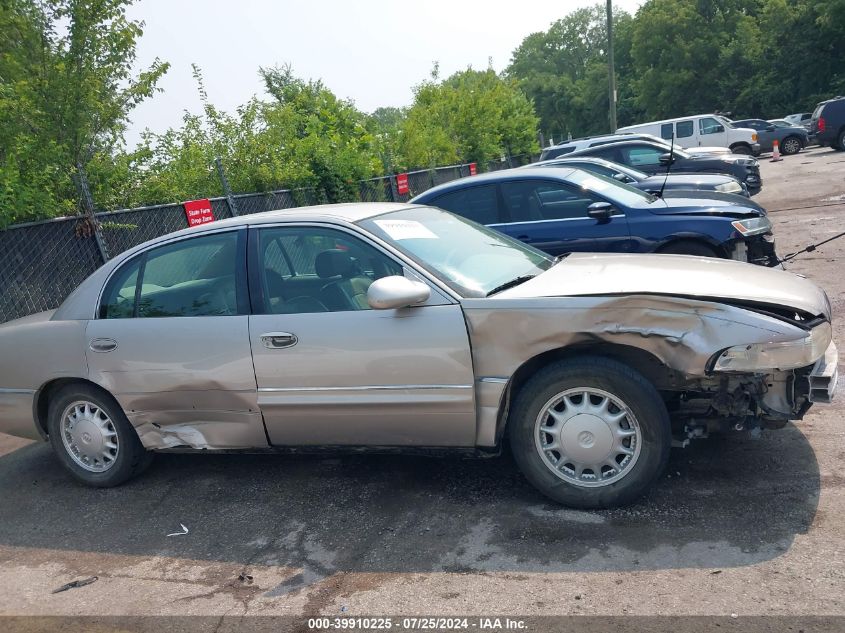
42,262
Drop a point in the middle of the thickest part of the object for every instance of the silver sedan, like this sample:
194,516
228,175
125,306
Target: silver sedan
401,326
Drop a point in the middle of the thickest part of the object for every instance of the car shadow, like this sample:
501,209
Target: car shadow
723,502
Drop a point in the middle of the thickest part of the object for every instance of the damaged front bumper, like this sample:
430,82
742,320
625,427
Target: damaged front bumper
822,379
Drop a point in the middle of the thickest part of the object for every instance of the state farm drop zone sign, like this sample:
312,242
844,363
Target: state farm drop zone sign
198,212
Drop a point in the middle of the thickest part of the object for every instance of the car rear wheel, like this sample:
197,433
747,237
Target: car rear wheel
688,247
791,145
590,432
92,437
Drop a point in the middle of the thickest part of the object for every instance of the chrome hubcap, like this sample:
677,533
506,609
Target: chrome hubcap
791,146
89,436
587,437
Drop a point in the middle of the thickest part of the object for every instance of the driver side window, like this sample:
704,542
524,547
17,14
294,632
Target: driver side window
709,125
642,156
312,269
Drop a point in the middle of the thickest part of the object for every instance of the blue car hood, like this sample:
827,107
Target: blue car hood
701,204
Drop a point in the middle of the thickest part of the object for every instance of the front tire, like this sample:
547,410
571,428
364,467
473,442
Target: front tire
741,149
688,247
92,437
590,432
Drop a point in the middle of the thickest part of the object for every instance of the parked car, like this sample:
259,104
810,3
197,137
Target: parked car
673,185
701,130
791,140
397,326
569,210
654,158
828,123
802,118
574,145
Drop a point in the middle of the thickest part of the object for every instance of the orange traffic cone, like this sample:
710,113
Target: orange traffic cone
776,153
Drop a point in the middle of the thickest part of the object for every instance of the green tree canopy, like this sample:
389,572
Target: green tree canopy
66,90
473,116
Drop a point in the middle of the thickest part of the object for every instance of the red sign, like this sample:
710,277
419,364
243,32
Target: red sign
198,212
402,184
473,169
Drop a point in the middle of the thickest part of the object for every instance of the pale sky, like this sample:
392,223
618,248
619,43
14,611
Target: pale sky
370,51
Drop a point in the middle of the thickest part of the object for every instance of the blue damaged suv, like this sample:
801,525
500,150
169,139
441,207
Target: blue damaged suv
561,210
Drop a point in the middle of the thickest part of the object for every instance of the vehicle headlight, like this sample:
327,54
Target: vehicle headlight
752,226
729,187
780,355
745,162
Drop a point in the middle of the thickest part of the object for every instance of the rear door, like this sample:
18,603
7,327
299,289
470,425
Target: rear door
171,343
552,215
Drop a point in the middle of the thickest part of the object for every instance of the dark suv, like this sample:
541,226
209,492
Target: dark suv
828,123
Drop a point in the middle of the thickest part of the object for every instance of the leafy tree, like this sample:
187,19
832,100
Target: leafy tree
564,70
473,116
66,90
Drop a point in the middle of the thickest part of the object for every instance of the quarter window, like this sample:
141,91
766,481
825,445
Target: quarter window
666,131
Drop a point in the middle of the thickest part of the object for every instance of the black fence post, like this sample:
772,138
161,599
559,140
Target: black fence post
394,189
88,206
227,191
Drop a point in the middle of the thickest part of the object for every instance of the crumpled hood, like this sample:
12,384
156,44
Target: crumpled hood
582,274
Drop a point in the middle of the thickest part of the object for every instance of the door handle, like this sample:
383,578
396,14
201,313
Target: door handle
102,345
279,340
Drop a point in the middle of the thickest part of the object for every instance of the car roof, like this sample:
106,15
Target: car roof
622,143
576,141
517,173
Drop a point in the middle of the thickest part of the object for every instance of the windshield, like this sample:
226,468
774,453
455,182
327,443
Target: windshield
617,192
471,259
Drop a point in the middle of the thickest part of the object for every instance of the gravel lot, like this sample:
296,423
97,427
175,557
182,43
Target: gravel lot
736,526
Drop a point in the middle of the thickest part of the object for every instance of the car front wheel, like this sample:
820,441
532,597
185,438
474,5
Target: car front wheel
590,432
92,437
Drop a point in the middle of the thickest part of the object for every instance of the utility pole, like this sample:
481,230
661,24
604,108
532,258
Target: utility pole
610,69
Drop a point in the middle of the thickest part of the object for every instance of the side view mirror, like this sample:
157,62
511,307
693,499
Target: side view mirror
770,128
600,211
666,158
396,292
620,177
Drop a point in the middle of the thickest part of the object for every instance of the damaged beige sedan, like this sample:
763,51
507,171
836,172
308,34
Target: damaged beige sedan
397,326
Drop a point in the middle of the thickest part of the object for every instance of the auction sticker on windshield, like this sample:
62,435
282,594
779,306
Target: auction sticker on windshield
405,230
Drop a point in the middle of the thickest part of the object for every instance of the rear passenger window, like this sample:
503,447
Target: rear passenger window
685,129
666,131
193,277
478,204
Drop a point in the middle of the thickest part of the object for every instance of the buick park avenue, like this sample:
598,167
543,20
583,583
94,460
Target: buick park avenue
390,326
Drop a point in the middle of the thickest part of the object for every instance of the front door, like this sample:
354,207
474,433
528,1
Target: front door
332,371
711,133
171,343
552,216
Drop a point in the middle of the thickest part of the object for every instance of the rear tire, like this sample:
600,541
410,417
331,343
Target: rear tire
92,437
688,247
791,145
590,432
